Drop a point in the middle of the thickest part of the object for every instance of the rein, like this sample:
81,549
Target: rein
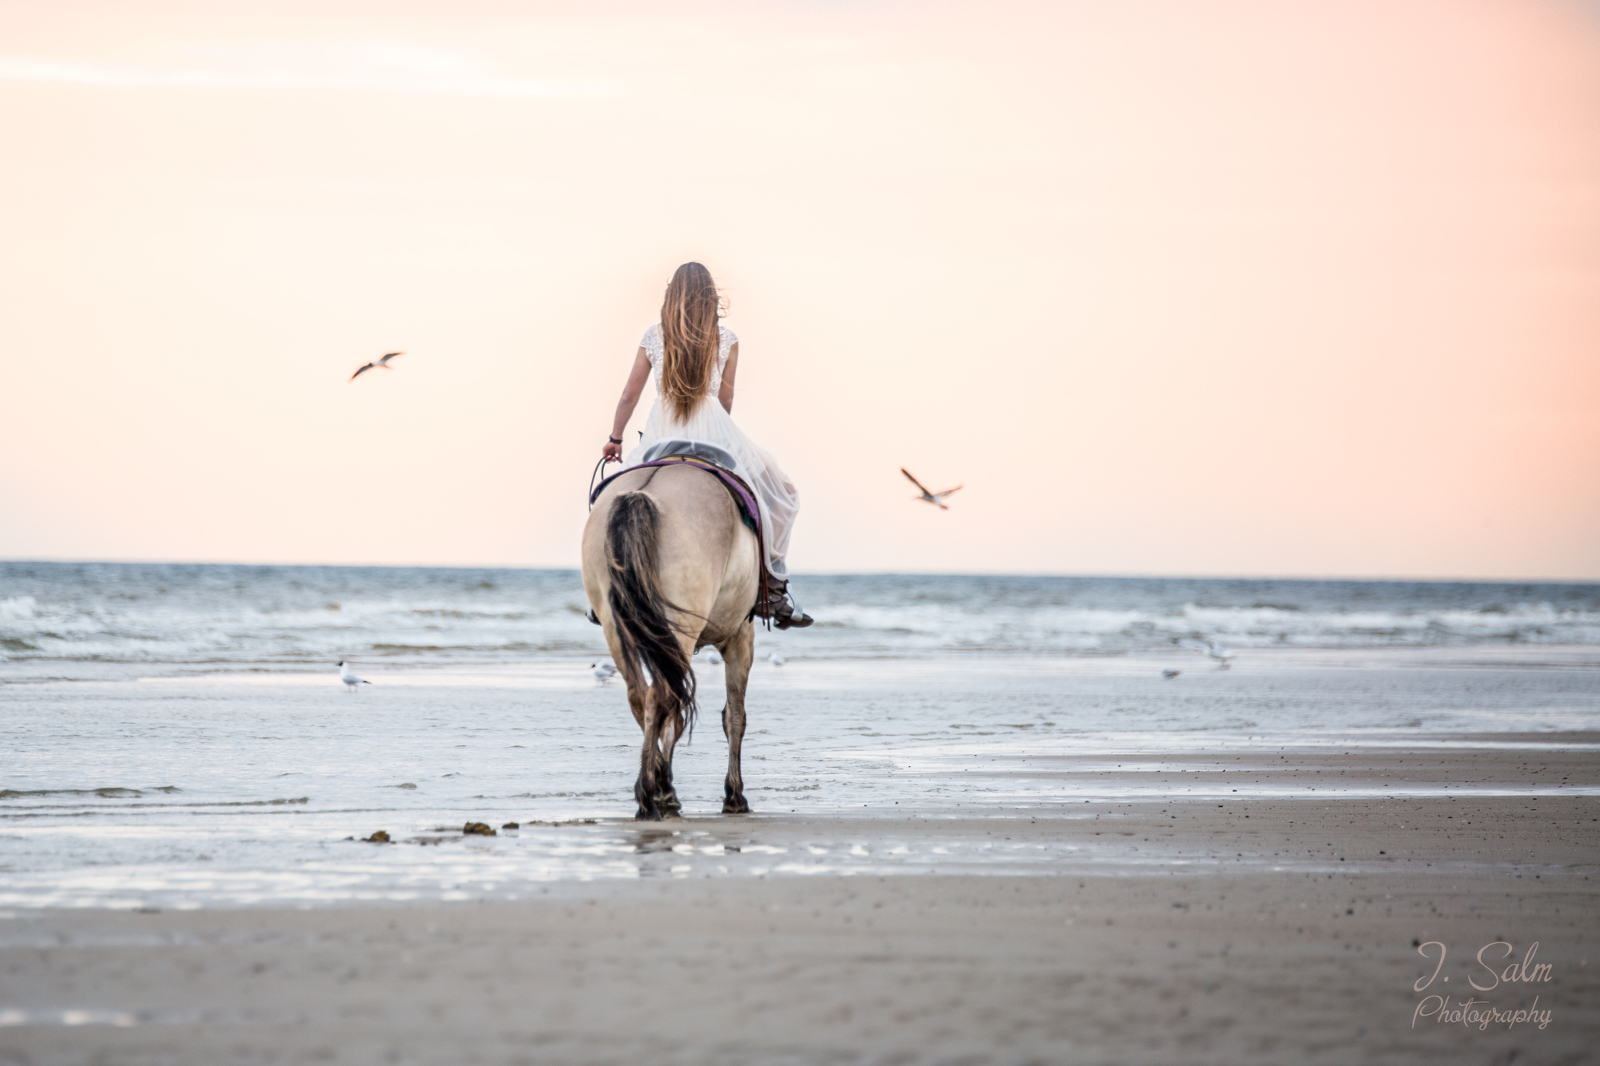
597,468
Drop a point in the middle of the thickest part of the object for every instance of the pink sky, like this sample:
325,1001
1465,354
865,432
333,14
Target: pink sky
1172,287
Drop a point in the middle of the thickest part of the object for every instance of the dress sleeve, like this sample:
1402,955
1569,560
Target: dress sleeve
651,343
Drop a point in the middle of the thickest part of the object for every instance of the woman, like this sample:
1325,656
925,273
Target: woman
694,359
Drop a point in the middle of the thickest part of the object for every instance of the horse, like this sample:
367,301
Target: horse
669,566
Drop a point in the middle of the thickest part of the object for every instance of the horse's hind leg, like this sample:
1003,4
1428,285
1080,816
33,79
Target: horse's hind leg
737,653
652,767
666,793
636,704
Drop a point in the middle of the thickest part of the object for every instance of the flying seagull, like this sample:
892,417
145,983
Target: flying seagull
1212,648
935,498
380,362
349,678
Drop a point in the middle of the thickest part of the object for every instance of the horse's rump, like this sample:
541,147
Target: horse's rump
719,464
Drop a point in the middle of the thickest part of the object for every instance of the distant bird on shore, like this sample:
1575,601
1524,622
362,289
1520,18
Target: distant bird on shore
602,672
712,655
382,363
1212,648
776,660
935,498
349,678
1170,674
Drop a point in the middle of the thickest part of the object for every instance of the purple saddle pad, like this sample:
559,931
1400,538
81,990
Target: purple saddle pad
748,509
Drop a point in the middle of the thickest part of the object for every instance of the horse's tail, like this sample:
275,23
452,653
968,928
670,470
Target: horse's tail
646,635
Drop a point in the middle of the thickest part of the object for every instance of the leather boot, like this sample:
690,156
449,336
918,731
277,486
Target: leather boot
781,610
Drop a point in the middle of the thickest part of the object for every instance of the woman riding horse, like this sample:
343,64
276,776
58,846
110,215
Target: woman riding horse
668,563
695,358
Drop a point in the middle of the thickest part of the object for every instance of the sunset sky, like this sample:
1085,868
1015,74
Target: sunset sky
1188,287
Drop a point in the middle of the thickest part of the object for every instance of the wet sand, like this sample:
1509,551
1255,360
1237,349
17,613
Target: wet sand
1262,930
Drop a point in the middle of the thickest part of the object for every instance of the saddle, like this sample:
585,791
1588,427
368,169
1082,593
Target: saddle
719,463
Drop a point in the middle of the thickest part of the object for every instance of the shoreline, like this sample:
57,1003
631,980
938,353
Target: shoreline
1005,811
1254,955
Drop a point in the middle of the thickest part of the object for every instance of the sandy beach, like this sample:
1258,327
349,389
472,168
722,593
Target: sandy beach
1267,930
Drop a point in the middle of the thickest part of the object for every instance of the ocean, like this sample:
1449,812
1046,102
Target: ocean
177,735
81,621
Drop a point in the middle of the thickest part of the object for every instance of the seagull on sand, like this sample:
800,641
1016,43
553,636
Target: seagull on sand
382,362
776,660
602,672
935,498
1212,648
712,655
349,678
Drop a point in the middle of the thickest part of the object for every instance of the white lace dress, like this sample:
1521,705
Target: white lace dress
775,493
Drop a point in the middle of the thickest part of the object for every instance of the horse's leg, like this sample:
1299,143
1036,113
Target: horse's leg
636,700
736,655
647,788
666,794
653,788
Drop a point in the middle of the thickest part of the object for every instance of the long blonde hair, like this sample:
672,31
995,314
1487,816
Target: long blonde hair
690,338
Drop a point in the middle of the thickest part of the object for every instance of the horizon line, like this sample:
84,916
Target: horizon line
1370,579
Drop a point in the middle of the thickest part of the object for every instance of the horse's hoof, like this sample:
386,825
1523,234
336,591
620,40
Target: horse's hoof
643,815
736,805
